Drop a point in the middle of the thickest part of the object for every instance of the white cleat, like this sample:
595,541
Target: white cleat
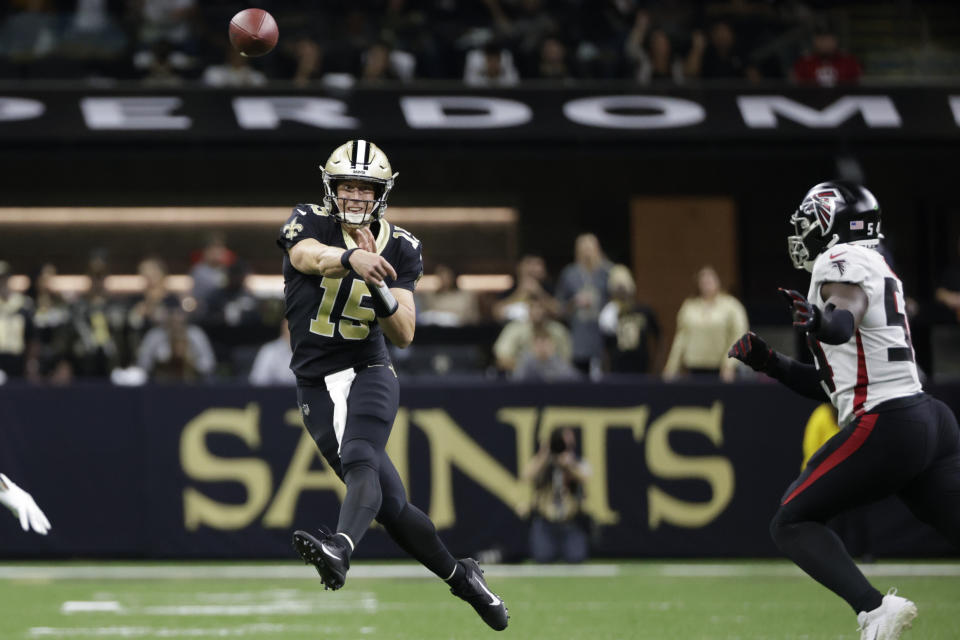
889,620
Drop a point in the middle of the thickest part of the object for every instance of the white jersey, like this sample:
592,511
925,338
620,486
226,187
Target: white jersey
877,363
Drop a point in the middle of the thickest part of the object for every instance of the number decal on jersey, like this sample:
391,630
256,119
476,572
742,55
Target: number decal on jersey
320,211
321,324
406,235
891,306
823,367
355,319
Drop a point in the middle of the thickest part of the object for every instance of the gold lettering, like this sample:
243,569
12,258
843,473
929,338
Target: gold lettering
199,464
450,446
593,423
664,463
300,477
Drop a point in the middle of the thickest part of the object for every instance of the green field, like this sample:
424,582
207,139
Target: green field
600,601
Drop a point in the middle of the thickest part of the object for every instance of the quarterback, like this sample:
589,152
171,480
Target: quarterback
894,438
349,277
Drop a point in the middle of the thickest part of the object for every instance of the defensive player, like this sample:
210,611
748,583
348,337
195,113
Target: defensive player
349,277
894,438
23,506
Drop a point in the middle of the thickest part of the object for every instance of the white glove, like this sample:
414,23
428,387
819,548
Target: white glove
23,506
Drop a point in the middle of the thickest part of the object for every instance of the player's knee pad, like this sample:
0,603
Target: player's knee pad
359,453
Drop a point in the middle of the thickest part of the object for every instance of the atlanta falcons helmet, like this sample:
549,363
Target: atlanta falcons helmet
833,212
357,160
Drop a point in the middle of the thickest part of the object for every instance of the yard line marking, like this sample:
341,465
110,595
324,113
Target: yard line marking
166,632
80,606
285,572
787,571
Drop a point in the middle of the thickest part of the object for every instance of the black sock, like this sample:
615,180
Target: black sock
416,535
360,505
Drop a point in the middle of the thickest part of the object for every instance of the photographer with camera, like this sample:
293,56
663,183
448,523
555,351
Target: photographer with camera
558,525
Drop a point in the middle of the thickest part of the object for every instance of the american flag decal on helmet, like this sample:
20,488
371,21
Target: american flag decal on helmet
823,204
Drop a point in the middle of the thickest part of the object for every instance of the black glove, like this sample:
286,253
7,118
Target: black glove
806,316
751,350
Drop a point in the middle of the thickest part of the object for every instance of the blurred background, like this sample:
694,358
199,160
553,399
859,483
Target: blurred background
584,176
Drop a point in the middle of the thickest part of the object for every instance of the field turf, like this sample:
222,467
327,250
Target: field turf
597,601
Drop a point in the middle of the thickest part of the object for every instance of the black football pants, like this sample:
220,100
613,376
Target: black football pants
374,488
908,447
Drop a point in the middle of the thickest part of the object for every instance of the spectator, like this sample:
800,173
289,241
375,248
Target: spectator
827,65
652,53
517,336
93,32
161,66
209,273
448,306
532,281
147,309
29,34
53,330
707,325
99,321
272,364
176,351
720,57
235,72
166,20
490,66
552,64
582,292
233,318
16,328
381,62
948,289
631,330
543,362
557,527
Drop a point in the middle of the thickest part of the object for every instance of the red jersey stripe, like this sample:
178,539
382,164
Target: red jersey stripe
860,391
844,451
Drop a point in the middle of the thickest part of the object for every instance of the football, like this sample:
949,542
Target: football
253,32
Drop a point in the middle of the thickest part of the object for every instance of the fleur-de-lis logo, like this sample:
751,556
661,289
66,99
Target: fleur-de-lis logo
291,230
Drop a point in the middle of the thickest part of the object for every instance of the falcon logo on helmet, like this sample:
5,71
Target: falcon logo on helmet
363,161
831,213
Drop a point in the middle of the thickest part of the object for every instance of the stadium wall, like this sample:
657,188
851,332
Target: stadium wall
680,470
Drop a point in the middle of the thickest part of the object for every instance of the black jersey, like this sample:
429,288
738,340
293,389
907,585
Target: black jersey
332,322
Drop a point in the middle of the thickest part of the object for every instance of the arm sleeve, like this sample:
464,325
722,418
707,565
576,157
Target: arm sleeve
800,378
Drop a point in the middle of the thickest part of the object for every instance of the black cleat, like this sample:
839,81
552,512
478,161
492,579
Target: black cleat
327,555
474,590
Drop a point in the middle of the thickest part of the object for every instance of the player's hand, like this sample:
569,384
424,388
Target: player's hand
371,267
806,315
751,350
23,506
364,238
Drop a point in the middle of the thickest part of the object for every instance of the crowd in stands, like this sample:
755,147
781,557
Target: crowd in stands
586,324
164,43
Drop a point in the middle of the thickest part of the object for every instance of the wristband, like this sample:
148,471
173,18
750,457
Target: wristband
384,304
345,259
